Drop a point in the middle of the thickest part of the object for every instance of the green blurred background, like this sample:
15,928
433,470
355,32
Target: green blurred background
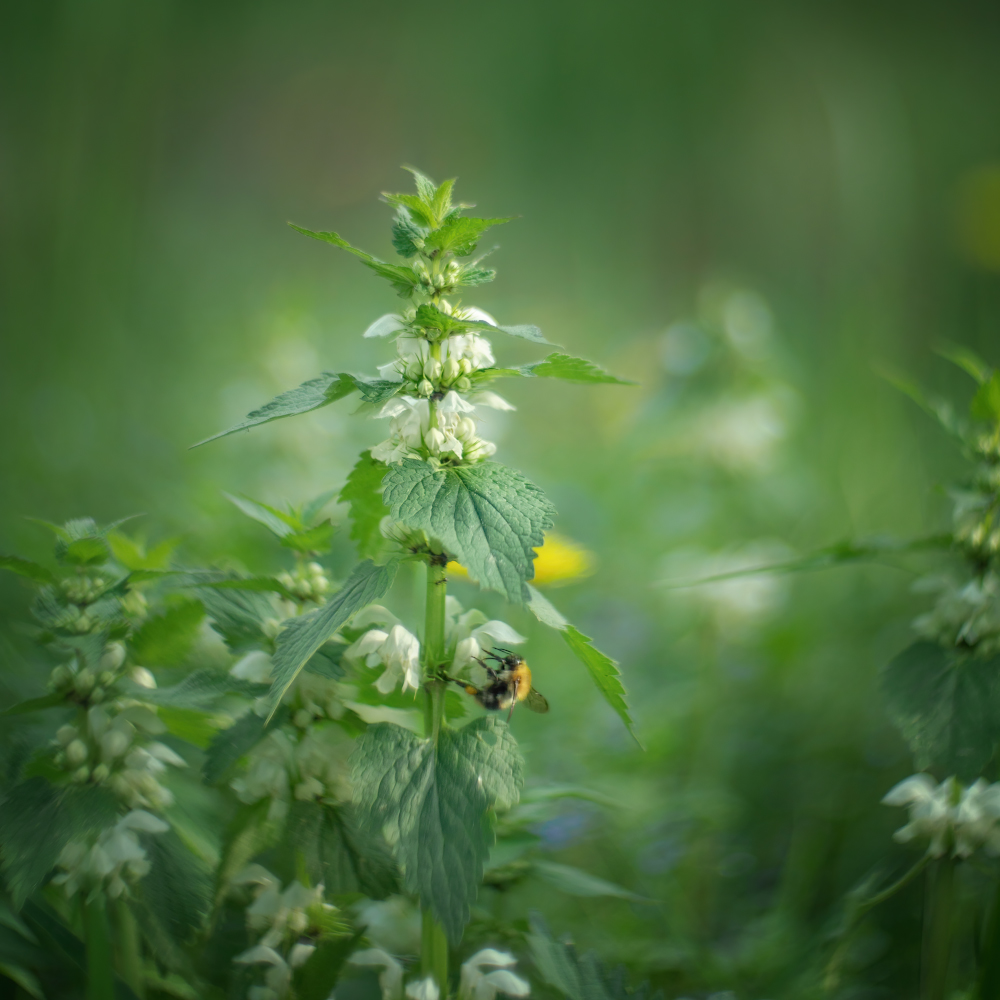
749,208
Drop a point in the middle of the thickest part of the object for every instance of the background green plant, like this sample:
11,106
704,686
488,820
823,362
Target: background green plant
663,158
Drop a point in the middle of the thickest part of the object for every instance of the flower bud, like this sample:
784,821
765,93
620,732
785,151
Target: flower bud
450,370
81,775
463,384
76,753
113,656
432,368
113,744
142,677
101,772
425,388
66,734
467,427
97,695
105,677
60,677
83,682
465,366
302,718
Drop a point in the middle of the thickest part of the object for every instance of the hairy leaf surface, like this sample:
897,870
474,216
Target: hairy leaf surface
489,517
164,640
431,806
363,491
571,369
403,278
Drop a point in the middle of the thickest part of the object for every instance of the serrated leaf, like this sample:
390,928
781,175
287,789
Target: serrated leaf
431,804
237,615
337,855
165,640
377,391
314,539
85,552
311,510
473,276
526,331
602,669
946,705
460,236
177,888
37,820
52,700
489,517
262,584
25,567
571,369
405,233
201,690
403,278
363,492
276,521
302,636
236,741
311,395
134,556
578,978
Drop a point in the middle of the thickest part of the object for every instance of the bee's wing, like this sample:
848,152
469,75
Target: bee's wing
537,702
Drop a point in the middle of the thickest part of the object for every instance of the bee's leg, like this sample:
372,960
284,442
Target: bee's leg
513,700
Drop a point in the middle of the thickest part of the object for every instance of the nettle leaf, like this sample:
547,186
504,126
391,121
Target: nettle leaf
460,235
377,391
431,805
489,517
302,636
472,276
202,690
84,552
603,670
165,640
363,492
405,233
178,888
265,584
337,854
136,557
237,741
967,360
237,615
314,539
986,402
576,882
37,820
25,567
403,279
946,705
311,395
571,369
526,331
277,521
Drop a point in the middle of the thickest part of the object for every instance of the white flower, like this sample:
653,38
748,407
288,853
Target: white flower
391,976
454,433
478,985
482,639
487,398
277,977
951,817
453,403
423,989
397,650
254,667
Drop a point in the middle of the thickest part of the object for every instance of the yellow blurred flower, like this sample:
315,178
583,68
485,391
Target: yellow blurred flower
559,560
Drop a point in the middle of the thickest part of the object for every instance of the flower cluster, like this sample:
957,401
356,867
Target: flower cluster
283,919
429,418
965,614
956,819
111,746
111,861
308,583
474,983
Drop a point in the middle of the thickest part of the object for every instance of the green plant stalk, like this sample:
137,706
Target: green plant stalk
127,949
939,926
100,970
433,941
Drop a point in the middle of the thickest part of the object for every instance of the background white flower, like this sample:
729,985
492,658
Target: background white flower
475,984
398,650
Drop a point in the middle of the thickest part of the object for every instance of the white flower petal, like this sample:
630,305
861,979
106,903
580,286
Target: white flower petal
423,989
506,982
916,788
259,953
254,667
139,819
492,957
300,954
487,398
500,632
385,325
472,312
453,403
162,752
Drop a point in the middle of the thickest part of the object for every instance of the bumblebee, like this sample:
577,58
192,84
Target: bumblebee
508,683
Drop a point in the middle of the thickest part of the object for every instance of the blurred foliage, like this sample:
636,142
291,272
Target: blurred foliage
746,208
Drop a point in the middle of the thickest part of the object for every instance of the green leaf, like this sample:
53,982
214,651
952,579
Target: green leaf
276,521
472,276
403,278
85,552
201,690
302,636
337,854
165,640
134,556
36,704
940,409
315,539
460,236
178,887
25,567
576,882
237,615
377,391
249,832
572,370
263,584
312,509
406,233
37,820
431,806
576,977
25,979
311,395
946,705
603,670
968,361
986,402
487,516
237,741
316,979
363,491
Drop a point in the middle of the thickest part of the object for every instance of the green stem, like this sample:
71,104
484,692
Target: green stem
989,978
434,942
938,929
127,948
100,971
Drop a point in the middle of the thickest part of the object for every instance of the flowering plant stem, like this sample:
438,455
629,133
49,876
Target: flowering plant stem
127,948
100,971
938,929
434,943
